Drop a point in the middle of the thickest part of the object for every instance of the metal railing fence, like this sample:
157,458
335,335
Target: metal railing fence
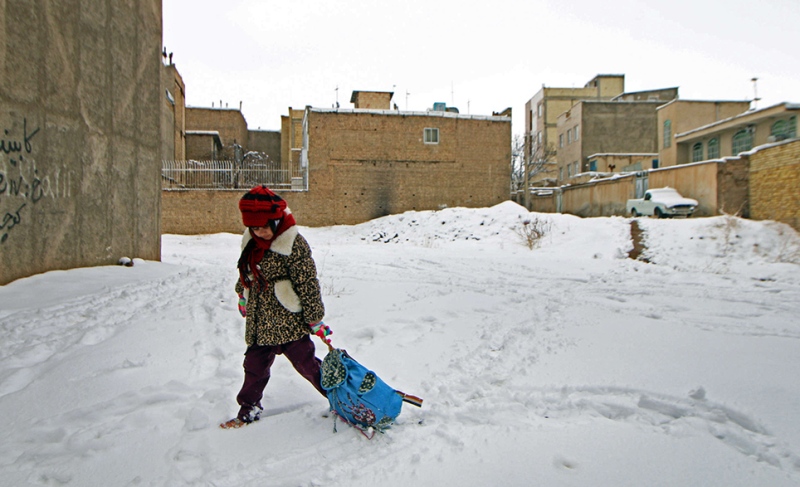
229,175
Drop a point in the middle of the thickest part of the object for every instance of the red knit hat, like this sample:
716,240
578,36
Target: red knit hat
259,206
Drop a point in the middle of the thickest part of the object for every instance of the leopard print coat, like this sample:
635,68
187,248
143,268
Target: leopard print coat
281,311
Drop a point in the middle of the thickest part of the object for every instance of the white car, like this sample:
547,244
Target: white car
662,203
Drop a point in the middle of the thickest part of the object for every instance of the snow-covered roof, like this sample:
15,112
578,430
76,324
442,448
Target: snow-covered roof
624,154
202,132
748,114
683,100
410,113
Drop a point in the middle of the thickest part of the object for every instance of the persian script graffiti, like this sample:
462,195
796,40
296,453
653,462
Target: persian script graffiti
10,146
21,184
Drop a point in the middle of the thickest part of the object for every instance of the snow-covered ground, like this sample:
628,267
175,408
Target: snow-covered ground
566,365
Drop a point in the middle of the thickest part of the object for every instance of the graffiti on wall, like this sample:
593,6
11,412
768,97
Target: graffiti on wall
22,186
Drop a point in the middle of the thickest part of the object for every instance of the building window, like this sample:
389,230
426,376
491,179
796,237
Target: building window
431,136
569,170
561,140
539,138
697,152
713,149
561,173
569,136
575,169
784,129
742,141
667,133
539,109
593,165
577,132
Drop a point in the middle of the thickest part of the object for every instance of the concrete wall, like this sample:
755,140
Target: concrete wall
717,186
774,183
80,109
698,181
599,199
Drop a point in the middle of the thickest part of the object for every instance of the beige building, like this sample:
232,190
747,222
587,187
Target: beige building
542,111
737,134
367,163
292,139
593,127
375,100
173,121
679,116
230,125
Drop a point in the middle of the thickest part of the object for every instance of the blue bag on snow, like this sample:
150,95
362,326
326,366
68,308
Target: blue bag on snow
358,395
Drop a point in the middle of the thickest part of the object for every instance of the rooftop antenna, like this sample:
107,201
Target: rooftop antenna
755,93
337,96
407,93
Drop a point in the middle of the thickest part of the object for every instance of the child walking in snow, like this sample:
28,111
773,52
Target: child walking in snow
279,296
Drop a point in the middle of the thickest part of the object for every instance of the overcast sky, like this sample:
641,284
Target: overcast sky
477,56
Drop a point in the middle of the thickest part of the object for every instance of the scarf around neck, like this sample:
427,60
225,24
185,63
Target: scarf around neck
254,251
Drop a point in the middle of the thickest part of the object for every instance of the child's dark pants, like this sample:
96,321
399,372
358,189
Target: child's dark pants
257,362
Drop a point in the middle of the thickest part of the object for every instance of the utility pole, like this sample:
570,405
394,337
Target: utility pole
755,93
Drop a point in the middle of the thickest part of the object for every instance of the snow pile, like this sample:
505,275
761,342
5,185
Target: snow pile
569,364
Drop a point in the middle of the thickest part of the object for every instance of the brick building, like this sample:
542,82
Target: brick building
369,163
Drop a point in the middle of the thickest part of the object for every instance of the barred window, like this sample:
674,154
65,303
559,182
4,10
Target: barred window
784,129
697,152
431,136
742,141
713,149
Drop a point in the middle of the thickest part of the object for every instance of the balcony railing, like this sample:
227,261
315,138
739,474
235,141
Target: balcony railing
228,175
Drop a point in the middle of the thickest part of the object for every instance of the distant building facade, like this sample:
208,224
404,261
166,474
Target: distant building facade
542,111
736,134
604,127
679,116
173,114
367,163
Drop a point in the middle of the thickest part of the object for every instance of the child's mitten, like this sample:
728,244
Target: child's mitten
242,305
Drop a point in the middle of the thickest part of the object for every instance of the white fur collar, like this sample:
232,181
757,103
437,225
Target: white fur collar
281,245
285,241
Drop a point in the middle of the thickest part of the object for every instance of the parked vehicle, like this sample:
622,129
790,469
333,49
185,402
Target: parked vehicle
662,203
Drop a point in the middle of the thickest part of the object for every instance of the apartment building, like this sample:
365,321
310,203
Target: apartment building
592,127
735,134
542,111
